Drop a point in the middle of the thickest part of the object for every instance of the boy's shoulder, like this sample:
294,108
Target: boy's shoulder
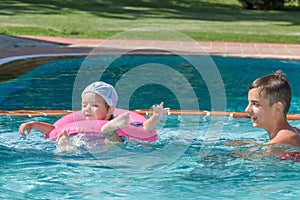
286,136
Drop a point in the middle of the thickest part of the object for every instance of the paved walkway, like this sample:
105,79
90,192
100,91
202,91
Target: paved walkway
31,45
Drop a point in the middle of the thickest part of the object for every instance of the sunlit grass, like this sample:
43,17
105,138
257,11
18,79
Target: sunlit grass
202,20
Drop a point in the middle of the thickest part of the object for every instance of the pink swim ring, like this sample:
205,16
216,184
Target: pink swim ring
75,123
294,156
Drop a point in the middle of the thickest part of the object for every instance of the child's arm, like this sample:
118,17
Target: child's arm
158,114
109,129
42,127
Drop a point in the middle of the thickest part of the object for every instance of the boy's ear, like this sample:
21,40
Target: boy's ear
278,106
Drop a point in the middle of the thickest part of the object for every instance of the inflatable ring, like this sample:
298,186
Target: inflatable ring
74,123
294,156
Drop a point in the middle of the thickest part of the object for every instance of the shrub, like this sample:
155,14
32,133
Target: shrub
263,4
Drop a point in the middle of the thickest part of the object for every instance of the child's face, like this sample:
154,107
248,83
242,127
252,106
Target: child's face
94,107
259,109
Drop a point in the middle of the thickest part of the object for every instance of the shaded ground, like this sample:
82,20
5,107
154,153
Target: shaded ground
19,46
16,42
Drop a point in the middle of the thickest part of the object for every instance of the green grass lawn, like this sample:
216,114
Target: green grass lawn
203,20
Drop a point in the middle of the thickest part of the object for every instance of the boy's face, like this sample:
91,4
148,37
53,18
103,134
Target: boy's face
94,107
259,109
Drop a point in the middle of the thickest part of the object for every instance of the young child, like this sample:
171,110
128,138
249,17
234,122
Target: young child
269,100
99,100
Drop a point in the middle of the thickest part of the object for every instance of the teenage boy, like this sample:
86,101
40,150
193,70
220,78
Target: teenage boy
269,100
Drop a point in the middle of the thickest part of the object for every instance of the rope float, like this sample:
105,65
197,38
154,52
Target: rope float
35,113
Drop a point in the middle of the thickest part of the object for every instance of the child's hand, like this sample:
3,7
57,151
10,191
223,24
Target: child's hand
64,143
159,110
25,128
63,137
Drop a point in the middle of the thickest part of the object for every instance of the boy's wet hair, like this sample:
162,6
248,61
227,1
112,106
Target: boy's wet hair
274,87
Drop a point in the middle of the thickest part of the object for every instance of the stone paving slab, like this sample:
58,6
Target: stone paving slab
31,45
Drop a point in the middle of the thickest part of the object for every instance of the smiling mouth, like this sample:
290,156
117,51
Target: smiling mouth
254,119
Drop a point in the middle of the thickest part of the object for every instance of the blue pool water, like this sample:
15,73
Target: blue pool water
34,90
189,160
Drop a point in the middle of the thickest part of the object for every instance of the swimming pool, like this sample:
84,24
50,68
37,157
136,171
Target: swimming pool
185,163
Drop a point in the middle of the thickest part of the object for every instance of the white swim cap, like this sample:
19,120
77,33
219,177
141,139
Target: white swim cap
105,90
